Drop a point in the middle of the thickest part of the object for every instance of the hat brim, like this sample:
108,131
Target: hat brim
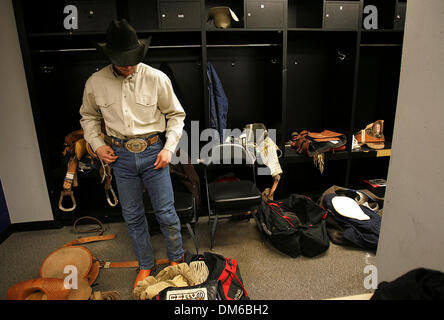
126,58
221,12
348,208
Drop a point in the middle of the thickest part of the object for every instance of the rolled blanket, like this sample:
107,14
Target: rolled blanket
179,275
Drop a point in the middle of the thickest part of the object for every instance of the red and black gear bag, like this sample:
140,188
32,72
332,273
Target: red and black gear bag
224,281
226,271
295,226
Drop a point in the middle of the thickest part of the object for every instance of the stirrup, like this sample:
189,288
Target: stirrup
116,201
64,194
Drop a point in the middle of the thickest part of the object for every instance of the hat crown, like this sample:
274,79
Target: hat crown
121,36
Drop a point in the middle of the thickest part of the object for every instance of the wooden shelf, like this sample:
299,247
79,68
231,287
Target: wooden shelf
244,29
372,153
320,30
291,156
382,30
84,33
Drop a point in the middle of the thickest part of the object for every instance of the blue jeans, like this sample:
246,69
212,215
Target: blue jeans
130,171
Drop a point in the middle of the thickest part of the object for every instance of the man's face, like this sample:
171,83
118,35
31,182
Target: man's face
125,71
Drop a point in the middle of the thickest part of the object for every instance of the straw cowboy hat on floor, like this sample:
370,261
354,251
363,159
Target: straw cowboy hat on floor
122,46
222,16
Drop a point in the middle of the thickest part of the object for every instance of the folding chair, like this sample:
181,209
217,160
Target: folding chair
230,196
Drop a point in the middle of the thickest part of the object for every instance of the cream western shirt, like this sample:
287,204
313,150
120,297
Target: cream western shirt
142,104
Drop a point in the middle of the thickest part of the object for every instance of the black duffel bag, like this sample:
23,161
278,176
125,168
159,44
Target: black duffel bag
295,226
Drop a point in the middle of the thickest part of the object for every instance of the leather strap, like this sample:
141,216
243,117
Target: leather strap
89,239
70,180
325,135
100,229
71,173
106,264
123,264
129,264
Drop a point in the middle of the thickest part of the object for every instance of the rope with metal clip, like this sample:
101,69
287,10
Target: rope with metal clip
106,178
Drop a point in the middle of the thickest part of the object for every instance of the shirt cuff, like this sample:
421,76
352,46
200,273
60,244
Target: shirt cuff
171,144
97,143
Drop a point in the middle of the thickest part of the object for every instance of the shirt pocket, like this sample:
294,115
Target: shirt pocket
146,110
104,102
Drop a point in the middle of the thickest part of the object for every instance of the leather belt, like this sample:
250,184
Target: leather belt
134,145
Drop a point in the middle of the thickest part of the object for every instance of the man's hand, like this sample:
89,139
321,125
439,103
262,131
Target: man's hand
106,153
163,159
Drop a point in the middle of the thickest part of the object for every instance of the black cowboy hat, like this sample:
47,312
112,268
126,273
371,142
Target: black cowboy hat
122,46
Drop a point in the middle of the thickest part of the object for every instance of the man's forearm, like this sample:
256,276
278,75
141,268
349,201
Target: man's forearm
92,133
174,130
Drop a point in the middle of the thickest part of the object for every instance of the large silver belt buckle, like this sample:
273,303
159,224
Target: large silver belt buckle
136,145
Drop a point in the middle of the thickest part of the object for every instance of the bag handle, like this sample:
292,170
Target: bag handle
231,267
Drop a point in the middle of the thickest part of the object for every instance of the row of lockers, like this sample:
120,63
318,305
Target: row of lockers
94,16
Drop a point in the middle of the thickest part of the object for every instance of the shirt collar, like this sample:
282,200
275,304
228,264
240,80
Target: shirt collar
130,77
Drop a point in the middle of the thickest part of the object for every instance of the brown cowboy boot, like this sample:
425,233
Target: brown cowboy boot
181,260
143,274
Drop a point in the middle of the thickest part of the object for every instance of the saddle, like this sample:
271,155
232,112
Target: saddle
69,272
372,136
315,144
76,148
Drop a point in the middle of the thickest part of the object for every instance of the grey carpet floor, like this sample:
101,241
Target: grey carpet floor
267,273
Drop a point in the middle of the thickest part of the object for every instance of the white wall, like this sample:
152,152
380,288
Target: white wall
412,232
21,168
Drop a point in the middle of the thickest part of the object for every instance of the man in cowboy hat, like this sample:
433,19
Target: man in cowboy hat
137,103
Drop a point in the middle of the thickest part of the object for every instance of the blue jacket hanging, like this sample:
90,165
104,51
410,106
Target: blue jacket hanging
218,101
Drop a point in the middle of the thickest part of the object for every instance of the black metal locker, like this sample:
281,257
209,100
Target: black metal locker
95,16
142,14
400,16
341,15
180,14
265,14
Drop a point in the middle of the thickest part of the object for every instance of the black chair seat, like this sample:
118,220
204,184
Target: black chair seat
234,195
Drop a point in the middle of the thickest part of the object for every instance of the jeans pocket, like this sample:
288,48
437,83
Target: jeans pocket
158,145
